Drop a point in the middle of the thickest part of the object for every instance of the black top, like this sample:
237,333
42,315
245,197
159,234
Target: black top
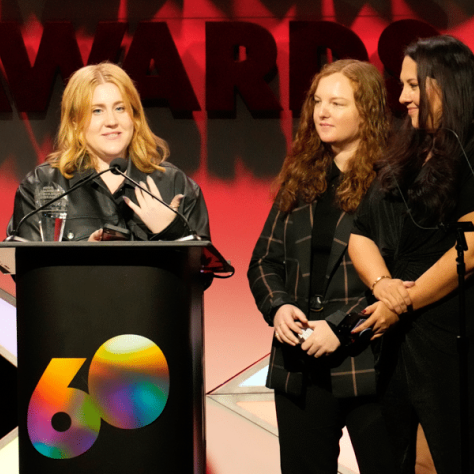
326,214
410,250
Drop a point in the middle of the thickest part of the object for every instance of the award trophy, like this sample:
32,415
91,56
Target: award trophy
53,217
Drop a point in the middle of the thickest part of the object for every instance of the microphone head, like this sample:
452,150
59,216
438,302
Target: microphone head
119,164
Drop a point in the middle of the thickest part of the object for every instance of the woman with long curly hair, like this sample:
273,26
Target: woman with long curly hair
404,248
102,119
302,278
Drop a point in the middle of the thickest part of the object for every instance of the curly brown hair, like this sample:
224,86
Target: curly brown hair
303,175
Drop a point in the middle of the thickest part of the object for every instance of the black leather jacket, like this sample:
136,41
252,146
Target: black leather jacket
92,206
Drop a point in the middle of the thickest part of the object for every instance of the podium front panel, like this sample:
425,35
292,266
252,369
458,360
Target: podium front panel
110,360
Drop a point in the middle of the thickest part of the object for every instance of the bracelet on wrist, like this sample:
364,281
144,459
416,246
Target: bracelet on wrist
377,280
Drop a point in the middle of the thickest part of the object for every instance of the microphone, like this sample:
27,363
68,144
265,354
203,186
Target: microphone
14,236
119,166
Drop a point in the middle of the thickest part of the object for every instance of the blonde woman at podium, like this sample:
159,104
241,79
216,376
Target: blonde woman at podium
123,187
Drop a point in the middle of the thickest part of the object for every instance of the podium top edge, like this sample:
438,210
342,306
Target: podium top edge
212,260
111,243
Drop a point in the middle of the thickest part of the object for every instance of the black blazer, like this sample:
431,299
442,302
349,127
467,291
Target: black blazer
279,273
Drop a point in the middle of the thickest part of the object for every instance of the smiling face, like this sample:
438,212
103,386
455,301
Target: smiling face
110,128
335,113
410,96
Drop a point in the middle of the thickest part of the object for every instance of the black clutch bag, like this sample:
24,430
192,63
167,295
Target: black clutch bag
347,337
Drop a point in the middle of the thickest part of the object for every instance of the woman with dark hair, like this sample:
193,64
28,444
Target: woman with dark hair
403,247
301,276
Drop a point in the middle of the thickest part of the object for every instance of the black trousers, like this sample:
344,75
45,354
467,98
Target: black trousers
310,428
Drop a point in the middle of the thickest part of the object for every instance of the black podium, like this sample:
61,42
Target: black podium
110,355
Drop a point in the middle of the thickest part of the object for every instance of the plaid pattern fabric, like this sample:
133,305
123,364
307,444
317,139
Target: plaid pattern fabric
279,273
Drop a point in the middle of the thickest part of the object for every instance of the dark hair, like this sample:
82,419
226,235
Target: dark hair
431,186
303,175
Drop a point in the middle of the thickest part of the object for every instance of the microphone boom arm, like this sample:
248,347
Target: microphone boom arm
52,201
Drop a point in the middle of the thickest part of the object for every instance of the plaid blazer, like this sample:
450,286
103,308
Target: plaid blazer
279,273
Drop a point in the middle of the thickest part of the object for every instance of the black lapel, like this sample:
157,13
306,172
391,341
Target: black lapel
341,239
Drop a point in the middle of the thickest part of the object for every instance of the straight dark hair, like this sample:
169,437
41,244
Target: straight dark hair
430,185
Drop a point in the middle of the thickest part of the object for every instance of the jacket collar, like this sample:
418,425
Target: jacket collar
79,176
134,173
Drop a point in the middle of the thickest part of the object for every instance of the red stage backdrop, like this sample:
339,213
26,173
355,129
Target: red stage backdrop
222,82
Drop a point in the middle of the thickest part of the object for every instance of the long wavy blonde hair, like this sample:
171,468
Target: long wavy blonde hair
146,150
303,175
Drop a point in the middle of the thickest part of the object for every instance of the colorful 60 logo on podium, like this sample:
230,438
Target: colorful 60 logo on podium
128,388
